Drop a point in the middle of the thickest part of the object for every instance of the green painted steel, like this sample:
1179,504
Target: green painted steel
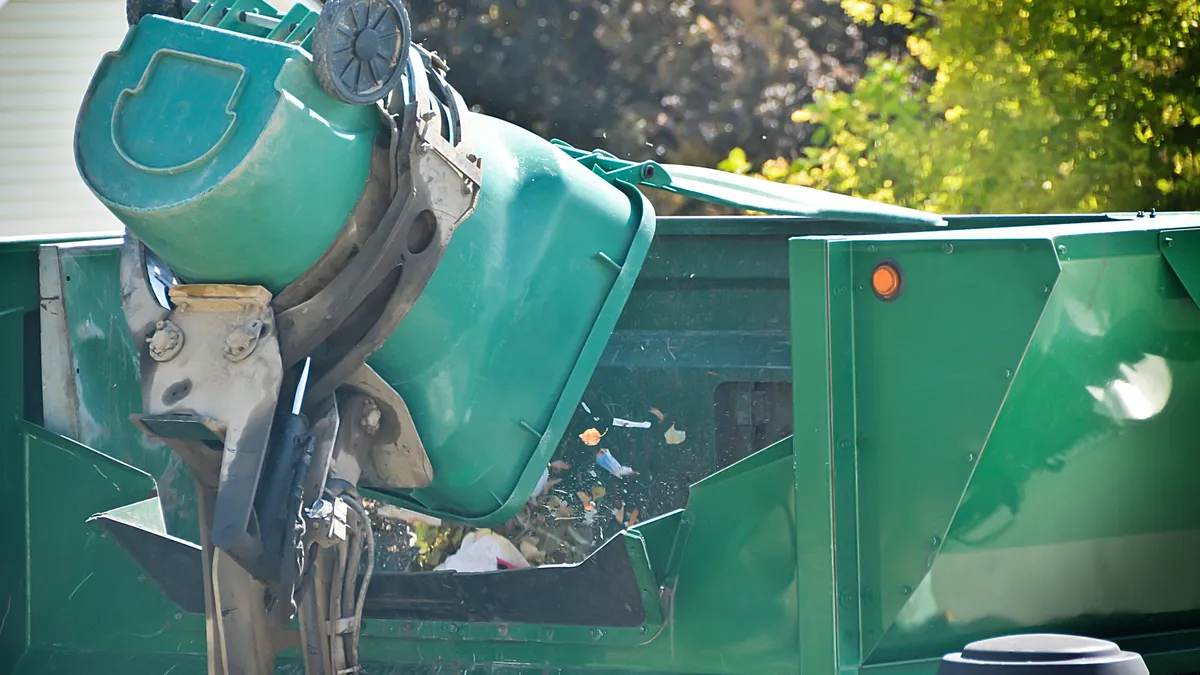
189,133
102,347
19,398
1027,400
1008,443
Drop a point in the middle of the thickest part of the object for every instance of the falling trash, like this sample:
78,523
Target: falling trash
675,436
585,500
591,437
606,461
618,422
530,550
396,513
659,414
633,519
559,465
484,551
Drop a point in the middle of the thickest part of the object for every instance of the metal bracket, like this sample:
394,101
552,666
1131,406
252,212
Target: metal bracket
378,432
200,382
242,340
436,186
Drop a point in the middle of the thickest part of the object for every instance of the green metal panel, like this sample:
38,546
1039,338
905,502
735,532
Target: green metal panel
1077,515
1181,249
106,384
18,347
819,588
930,371
48,661
1022,456
76,573
1084,496
188,133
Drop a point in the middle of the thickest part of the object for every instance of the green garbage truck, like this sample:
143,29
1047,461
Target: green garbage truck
370,382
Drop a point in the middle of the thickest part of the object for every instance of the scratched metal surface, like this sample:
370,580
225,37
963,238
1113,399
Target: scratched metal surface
106,367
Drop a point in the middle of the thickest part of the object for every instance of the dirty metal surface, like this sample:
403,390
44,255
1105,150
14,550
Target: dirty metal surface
107,386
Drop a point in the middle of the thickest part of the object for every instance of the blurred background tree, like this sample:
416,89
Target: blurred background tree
1016,106
678,81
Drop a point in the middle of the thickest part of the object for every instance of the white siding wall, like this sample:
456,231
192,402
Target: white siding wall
48,52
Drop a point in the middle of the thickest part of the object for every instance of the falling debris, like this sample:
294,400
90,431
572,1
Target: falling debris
598,491
586,500
396,513
675,436
530,550
618,422
549,484
659,414
591,437
484,551
585,407
559,465
633,518
605,459
619,514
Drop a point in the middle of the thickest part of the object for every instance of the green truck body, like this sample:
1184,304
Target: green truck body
1007,447
842,438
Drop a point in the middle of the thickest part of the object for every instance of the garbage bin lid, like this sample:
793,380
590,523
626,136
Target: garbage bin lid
1042,654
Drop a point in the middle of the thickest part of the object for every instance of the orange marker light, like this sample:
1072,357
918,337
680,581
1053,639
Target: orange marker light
886,280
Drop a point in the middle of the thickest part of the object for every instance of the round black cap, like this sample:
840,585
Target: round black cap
1043,654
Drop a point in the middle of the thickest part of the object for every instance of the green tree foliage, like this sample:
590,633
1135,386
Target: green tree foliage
1014,105
674,80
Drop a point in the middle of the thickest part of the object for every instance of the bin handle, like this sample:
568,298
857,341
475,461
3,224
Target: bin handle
153,68
744,192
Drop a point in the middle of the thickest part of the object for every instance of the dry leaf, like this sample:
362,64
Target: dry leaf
563,511
591,437
583,497
530,550
551,483
559,465
619,514
598,492
633,518
675,436
658,413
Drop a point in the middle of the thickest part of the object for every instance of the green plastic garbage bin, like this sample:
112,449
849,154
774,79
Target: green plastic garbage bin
225,156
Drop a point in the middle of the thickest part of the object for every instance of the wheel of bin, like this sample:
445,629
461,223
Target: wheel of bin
360,48
136,9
